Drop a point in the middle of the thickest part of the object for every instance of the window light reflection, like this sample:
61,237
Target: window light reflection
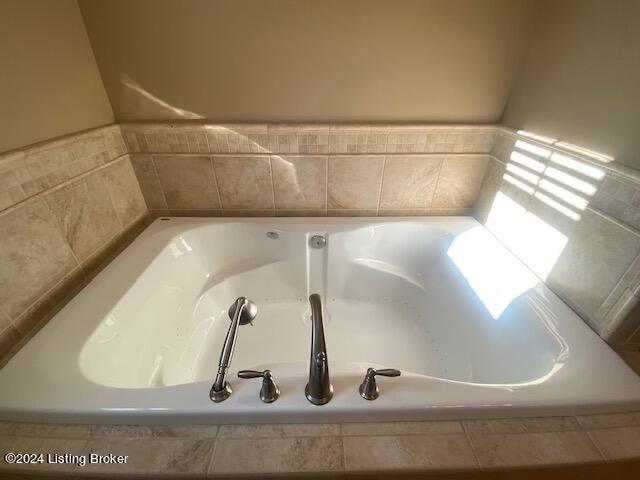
535,149
535,136
494,274
527,161
571,181
580,167
534,241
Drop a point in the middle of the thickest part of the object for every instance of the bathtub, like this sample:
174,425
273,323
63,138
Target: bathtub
474,332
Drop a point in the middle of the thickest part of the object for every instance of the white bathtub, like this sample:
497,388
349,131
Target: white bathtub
473,331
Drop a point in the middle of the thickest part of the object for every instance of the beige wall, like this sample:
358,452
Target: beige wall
581,79
49,85
318,60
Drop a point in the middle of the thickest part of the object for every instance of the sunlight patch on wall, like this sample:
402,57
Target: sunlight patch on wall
534,241
535,136
494,274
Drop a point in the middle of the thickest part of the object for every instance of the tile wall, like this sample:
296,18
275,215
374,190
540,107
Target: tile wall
309,170
594,204
68,205
66,208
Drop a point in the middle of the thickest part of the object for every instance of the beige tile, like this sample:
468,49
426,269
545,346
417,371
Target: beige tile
277,455
405,212
9,338
244,182
5,321
188,182
609,420
511,450
33,253
449,211
351,213
299,182
56,430
150,186
597,254
301,213
185,431
100,259
153,457
153,193
409,181
195,213
632,358
52,446
155,213
279,430
618,443
490,186
401,428
460,180
521,425
51,302
121,431
424,212
123,187
410,452
354,182
248,213
85,213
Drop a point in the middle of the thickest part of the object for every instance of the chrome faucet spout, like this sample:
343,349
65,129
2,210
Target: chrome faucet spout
318,390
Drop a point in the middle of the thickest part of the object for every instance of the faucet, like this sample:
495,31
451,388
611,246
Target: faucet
241,312
318,390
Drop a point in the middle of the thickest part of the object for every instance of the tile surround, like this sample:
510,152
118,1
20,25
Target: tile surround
294,450
299,170
355,157
66,208
598,271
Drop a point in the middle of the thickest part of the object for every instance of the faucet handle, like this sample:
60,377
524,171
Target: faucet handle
269,391
369,388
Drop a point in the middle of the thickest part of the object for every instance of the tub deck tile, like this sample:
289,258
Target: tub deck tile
617,443
408,452
529,449
279,430
609,420
401,428
153,457
277,456
521,425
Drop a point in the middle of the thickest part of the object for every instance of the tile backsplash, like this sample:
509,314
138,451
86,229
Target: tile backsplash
581,227
66,208
310,170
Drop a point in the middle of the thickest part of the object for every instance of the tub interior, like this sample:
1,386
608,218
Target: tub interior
393,296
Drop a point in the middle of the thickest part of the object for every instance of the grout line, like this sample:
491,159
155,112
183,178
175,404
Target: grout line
155,170
209,467
59,186
215,181
326,185
592,209
273,188
473,449
384,166
595,445
437,185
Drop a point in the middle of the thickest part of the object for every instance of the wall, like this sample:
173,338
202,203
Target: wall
550,207
50,84
580,79
309,170
308,60
66,208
